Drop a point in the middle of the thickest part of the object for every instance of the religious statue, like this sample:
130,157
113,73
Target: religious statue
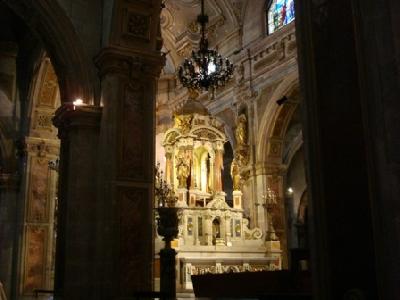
241,130
235,173
183,170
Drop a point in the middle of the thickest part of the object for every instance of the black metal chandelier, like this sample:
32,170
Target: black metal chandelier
205,69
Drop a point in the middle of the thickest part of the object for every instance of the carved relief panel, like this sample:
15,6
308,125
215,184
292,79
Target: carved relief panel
132,138
134,234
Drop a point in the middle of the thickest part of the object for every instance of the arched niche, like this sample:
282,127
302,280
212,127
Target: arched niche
201,163
226,173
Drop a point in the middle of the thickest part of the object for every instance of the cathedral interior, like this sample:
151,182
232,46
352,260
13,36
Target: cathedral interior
283,160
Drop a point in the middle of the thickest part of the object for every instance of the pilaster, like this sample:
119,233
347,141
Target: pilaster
129,81
39,199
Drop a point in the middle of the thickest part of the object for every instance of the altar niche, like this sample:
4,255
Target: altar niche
216,231
194,159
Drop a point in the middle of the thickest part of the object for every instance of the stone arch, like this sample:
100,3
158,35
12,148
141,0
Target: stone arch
44,98
293,148
276,117
49,21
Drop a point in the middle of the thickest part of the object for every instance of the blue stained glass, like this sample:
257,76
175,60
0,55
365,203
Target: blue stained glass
280,13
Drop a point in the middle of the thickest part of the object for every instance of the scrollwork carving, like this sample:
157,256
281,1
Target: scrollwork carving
251,234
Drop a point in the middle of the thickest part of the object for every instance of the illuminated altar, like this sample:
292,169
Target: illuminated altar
213,236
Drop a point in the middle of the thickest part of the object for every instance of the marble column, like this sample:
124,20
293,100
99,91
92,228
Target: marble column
78,129
208,230
168,168
218,164
211,173
129,81
228,233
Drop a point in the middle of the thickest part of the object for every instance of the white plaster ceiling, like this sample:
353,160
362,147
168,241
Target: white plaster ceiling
180,30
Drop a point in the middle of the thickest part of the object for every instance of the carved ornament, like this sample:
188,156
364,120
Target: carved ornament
137,25
134,64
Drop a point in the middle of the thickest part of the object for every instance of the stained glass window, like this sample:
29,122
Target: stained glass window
279,14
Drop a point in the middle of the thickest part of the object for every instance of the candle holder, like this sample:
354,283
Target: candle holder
167,226
269,203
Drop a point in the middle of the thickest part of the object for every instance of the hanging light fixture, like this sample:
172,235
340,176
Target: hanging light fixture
205,69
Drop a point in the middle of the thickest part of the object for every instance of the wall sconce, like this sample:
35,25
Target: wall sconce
269,198
78,102
289,191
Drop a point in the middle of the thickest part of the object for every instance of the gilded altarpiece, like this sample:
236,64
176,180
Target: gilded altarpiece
213,236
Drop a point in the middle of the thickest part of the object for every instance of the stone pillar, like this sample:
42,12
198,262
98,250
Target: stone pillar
78,129
271,176
8,229
8,183
129,81
341,180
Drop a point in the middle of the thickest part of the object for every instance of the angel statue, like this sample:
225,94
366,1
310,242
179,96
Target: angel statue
241,130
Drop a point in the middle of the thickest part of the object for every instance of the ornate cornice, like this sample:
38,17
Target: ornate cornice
131,63
69,116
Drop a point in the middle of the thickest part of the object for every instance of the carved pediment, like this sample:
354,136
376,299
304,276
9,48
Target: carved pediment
171,136
207,132
218,203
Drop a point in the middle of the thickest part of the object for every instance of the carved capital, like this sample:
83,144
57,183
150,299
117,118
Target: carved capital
69,116
130,63
42,147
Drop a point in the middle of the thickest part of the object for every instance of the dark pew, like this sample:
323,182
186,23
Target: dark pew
277,285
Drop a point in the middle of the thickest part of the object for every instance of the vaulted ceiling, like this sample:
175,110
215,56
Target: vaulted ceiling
181,33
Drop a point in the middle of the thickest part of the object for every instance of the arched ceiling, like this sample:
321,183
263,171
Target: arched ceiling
180,30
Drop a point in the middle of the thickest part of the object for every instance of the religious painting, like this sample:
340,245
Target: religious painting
34,275
279,14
